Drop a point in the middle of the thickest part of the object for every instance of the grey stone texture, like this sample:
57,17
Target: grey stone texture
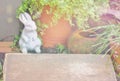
58,67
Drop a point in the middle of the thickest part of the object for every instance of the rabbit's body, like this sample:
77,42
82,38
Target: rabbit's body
29,40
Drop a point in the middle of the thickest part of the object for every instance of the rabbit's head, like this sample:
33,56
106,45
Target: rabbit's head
26,19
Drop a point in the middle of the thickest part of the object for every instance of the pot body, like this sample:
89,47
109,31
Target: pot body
81,42
57,33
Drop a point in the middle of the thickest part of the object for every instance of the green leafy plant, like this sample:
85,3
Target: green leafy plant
15,46
110,35
61,49
81,10
15,41
109,43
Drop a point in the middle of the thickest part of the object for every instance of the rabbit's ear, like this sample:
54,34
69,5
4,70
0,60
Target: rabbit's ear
22,18
27,16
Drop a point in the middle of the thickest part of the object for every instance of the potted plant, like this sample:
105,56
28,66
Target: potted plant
53,14
109,43
109,39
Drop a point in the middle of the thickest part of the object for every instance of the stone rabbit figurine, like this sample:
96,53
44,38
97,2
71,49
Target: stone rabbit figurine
29,40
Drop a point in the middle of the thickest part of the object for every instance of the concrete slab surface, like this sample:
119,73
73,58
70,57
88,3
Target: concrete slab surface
58,67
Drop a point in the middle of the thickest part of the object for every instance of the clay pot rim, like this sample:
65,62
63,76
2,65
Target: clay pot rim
80,32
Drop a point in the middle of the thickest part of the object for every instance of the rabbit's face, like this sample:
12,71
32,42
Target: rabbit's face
30,26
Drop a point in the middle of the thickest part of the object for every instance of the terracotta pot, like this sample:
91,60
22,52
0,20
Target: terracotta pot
54,34
116,58
82,41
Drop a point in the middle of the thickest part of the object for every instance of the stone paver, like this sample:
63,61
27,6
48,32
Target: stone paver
58,67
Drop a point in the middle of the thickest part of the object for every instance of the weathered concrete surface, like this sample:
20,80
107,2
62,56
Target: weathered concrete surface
58,67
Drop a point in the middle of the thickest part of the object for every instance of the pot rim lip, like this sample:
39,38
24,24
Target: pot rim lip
92,38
